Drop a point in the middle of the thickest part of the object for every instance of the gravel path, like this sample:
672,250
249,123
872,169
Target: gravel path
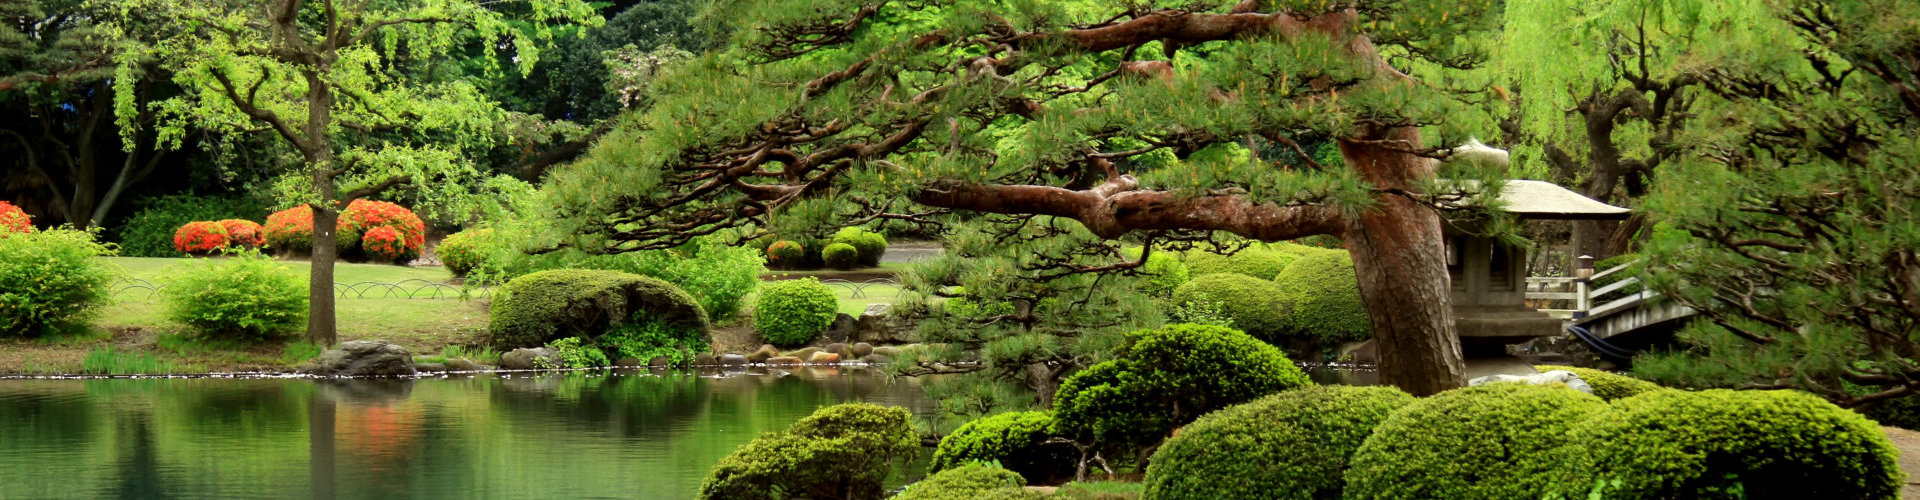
1909,444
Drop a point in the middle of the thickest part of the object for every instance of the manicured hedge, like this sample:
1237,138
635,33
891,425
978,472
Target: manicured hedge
793,312
290,231
870,245
243,233
360,235
535,309
970,482
1326,299
1608,386
465,251
1736,444
200,237
842,451
1499,440
1161,274
51,280
1291,445
1256,261
1167,377
786,254
841,256
1016,440
1256,306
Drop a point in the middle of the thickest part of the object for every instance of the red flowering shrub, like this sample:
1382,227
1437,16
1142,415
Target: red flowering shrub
200,237
290,229
384,243
785,253
363,216
243,233
13,219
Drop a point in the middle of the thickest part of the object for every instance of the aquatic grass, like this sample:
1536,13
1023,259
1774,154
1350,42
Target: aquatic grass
109,361
483,354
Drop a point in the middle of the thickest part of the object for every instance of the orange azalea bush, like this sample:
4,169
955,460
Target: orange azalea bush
384,243
13,219
290,229
200,237
243,233
363,216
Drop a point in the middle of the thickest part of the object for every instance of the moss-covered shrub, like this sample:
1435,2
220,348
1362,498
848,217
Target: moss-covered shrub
1608,386
1255,306
243,233
841,256
1326,299
969,482
871,245
13,219
1256,261
786,254
464,251
1291,445
247,297
1500,440
1016,440
200,237
1736,444
535,309
51,280
793,312
1165,378
149,232
842,451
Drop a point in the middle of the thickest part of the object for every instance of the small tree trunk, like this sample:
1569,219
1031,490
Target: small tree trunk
326,250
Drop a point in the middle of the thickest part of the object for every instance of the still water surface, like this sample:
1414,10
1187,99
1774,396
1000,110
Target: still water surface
571,435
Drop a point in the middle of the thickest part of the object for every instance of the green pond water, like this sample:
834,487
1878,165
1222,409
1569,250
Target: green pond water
562,435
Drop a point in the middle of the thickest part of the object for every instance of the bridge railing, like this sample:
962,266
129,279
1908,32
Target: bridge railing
1572,297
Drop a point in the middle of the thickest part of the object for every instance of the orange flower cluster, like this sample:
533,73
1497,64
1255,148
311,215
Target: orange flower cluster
243,233
384,243
200,237
13,219
290,229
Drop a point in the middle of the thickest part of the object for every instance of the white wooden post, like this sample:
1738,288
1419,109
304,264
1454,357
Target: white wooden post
1582,278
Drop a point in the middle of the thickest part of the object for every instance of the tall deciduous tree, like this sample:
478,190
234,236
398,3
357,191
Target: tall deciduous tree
321,75
1037,108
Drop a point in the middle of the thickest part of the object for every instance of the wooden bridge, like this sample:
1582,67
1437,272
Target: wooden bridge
1619,308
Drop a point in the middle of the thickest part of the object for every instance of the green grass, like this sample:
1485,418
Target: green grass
1100,490
154,268
108,361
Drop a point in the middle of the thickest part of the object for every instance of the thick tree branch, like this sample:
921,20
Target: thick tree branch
1117,207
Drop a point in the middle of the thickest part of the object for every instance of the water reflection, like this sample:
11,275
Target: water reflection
578,435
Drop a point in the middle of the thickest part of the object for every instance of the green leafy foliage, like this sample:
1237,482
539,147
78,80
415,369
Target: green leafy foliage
1162,273
871,245
840,256
1727,444
574,355
149,232
1254,305
1326,299
794,312
1165,378
1608,386
51,281
535,309
1499,440
1015,440
842,451
464,251
718,276
1291,445
647,339
246,296
1256,261
969,482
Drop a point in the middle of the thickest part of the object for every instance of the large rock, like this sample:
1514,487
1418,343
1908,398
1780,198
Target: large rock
783,361
429,367
843,329
362,358
462,365
660,362
881,329
840,348
889,351
806,353
1556,376
629,362
877,359
765,352
861,349
733,360
705,359
823,358
537,358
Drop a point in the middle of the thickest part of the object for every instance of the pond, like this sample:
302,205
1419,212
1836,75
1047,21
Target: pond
555,435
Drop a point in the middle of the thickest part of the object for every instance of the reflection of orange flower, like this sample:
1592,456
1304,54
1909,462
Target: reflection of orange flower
381,435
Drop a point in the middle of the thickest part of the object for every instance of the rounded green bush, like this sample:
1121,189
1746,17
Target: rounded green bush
1165,378
1499,440
970,482
1017,440
1736,444
786,254
465,251
842,451
541,307
793,312
1326,299
1161,274
51,280
1256,261
840,256
1256,306
245,297
871,245
1608,386
149,232
1291,445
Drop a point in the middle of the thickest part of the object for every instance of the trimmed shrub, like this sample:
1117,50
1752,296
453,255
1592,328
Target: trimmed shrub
785,254
1499,440
13,219
1165,378
871,245
291,230
969,482
464,251
243,233
247,297
1256,261
362,217
538,308
149,232
1736,444
1608,386
1016,440
385,244
1255,306
1326,299
1291,445
840,256
1162,273
200,238
51,280
793,312
719,276
842,451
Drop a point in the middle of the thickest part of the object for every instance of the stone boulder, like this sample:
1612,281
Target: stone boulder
660,362
362,358
462,365
841,348
629,362
705,359
429,367
888,351
783,361
881,329
862,349
733,360
536,358
823,358
806,353
1556,376
877,359
765,352
842,329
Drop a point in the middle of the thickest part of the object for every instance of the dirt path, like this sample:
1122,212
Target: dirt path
1909,444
